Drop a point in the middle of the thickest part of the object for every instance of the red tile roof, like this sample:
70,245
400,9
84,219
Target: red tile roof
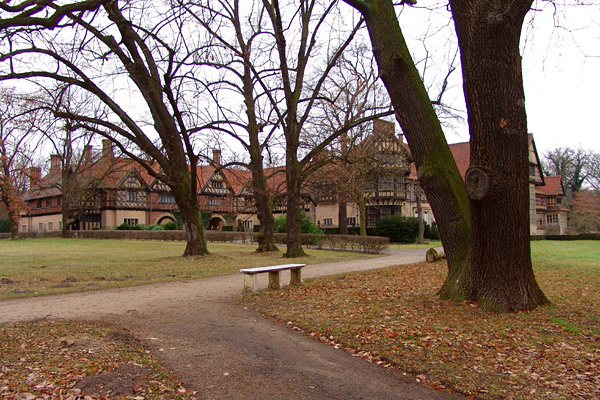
553,186
462,156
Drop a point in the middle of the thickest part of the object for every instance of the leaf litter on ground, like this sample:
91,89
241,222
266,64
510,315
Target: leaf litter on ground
393,317
72,360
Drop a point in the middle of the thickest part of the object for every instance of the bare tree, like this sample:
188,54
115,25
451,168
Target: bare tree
100,47
573,166
236,86
309,57
17,144
593,169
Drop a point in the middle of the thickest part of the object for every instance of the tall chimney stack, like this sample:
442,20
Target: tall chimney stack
54,162
35,174
87,153
217,156
107,149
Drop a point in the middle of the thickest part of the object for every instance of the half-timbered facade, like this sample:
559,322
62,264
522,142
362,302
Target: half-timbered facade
389,194
111,191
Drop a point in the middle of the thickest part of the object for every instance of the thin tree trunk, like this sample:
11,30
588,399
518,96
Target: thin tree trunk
342,218
421,234
14,227
437,171
501,274
362,212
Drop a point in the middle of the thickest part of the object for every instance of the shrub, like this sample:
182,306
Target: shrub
227,228
4,225
170,226
123,227
398,229
256,228
431,232
307,225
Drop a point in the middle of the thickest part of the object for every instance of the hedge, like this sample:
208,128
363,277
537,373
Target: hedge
369,244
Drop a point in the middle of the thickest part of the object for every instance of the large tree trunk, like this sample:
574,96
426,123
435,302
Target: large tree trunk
264,205
184,190
292,174
194,229
437,171
501,276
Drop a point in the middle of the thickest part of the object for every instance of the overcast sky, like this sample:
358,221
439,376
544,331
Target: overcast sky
561,67
562,78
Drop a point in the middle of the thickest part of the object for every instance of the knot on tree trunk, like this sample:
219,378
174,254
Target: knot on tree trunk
477,182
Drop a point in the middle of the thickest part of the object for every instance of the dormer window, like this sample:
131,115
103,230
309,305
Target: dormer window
131,180
216,184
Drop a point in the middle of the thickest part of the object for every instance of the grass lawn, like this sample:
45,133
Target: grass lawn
393,317
42,266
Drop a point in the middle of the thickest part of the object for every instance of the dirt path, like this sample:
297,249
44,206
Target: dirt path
224,351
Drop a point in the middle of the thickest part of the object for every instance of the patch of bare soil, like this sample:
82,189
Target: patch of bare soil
120,382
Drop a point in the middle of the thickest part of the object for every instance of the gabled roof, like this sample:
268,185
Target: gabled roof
110,171
132,172
553,186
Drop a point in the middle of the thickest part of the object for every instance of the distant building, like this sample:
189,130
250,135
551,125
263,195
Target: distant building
396,195
123,192
116,190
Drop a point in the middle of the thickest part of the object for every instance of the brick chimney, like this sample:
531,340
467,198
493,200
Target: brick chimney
54,162
87,153
107,149
217,156
35,174
381,127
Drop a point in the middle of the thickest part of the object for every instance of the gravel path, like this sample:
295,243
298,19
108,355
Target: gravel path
224,351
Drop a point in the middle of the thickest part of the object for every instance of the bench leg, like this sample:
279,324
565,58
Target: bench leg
274,280
250,283
296,277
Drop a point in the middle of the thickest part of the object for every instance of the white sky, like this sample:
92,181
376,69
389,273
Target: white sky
561,64
561,68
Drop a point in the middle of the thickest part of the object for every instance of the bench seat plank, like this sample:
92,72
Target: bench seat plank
283,267
274,272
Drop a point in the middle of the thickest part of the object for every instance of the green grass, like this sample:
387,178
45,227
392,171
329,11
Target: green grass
392,316
43,266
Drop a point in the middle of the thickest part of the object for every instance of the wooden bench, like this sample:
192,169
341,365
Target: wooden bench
274,270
